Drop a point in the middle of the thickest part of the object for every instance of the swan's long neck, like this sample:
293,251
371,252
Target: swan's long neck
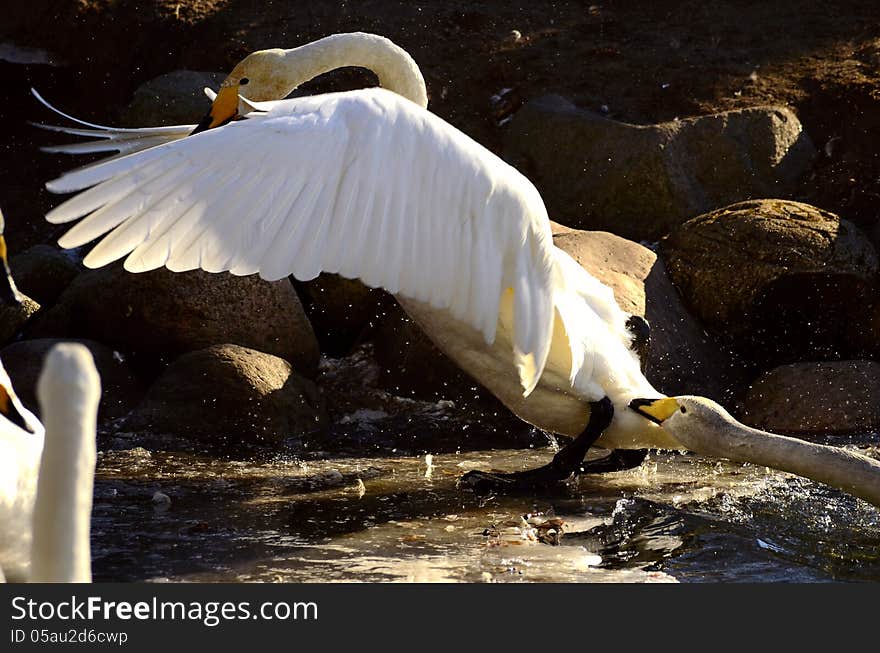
69,391
395,68
845,470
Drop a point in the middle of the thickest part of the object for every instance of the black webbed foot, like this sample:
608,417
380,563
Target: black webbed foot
565,464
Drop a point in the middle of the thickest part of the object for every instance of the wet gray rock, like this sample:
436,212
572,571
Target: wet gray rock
14,318
164,313
682,358
43,272
175,98
836,397
226,397
341,310
784,277
120,389
640,181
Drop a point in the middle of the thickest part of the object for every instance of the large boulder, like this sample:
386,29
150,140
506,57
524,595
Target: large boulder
787,280
175,98
682,358
836,397
163,313
225,397
640,181
43,272
120,389
14,318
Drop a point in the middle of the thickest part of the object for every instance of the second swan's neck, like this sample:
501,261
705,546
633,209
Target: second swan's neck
69,391
395,68
727,438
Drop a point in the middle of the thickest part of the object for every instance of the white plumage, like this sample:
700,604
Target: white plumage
20,451
46,474
371,185
366,184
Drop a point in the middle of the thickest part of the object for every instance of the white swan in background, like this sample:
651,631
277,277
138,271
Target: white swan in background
371,185
47,475
21,444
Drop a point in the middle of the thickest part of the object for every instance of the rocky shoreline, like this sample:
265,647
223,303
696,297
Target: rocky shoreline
697,223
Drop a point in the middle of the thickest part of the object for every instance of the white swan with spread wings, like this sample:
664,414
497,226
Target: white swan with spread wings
371,185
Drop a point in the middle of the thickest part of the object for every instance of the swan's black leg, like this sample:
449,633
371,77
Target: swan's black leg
565,464
618,460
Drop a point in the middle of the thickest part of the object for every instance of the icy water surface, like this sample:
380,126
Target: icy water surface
678,518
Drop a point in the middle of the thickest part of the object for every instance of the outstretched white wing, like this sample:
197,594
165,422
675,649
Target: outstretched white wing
365,184
109,139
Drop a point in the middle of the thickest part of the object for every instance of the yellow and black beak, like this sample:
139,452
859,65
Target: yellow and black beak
10,412
9,294
223,109
656,410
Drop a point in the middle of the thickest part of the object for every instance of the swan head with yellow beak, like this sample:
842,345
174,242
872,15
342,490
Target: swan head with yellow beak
657,410
703,426
697,423
258,77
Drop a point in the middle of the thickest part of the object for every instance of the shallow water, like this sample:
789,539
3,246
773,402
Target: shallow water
385,518
374,498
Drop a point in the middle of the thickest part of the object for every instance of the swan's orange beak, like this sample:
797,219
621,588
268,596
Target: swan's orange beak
9,294
223,109
10,412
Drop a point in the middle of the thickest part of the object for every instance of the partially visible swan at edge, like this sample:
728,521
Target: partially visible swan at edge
371,185
47,475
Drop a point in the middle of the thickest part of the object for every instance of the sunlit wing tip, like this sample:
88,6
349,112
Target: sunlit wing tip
96,133
57,217
98,257
39,97
56,186
84,147
64,241
46,104
528,374
138,264
115,131
489,331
